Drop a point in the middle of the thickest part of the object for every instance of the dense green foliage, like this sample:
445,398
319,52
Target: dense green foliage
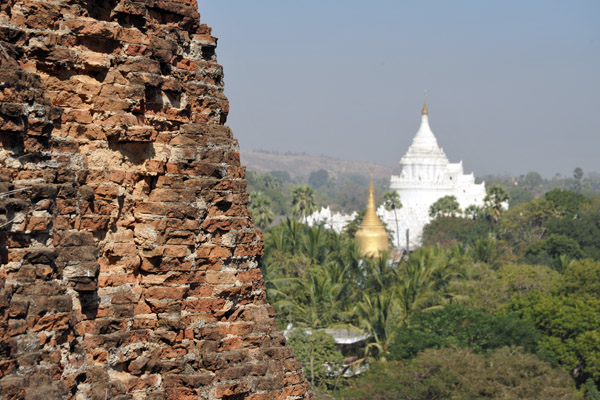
507,373
319,178
569,318
581,225
317,352
590,390
446,230
561,231
566,203
527,187
260,206
445,321
553,250
316,279
273,188
456,325
492,289
553,230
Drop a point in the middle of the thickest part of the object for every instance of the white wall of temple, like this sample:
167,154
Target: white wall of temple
413,215
411,218
470,195
334,221
424,197
417,198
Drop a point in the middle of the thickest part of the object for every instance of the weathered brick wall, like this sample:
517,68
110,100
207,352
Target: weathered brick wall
129,262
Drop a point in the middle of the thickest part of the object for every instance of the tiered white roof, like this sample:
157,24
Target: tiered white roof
425,146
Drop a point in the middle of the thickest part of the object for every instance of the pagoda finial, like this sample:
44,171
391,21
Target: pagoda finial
425,111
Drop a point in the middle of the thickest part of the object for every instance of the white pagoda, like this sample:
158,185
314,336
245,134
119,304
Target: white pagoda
427,175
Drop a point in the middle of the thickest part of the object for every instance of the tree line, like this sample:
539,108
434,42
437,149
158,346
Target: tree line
496,304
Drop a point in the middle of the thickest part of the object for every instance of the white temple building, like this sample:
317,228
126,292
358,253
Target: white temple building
330,220
426,176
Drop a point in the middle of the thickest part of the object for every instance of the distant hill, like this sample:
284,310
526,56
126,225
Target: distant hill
301,165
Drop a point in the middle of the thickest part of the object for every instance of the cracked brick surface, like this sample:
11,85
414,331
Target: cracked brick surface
129,260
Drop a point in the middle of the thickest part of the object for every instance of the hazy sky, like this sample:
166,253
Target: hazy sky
513,86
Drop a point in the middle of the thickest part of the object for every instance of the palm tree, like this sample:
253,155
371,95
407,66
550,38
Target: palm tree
275,240
380,273
473,211
380,316
447,205
293,234
425,279
317,301
347,253
303,200
260,206
270,182
391,201
315,243
484,249
578,175
562,263
494,201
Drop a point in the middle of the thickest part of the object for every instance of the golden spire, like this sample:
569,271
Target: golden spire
424,111
371,234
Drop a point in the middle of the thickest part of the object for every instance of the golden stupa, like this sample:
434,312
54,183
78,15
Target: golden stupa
371,235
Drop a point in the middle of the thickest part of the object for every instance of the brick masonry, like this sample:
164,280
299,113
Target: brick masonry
129,260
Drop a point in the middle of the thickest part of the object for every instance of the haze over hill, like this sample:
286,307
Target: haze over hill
512,85
301,165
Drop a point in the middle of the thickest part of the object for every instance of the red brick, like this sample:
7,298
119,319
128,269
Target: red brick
142,383
94,223
145,206
181,394
174,251
249,250
211,251
141,308
249,276
297,390
186,278
116,279
240,329
164,292
203,305
173,352
265,396
92,27
37,223
221,277
230,390
66,206
201,291
124,250
52,322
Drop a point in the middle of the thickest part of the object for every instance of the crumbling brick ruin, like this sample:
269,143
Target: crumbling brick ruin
129,261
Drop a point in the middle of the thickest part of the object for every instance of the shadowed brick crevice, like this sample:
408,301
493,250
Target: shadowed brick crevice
129,260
